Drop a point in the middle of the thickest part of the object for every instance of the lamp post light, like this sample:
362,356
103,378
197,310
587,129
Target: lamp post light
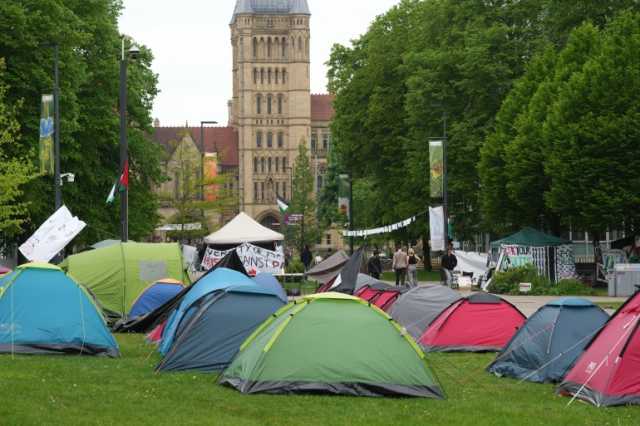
132,53
56,135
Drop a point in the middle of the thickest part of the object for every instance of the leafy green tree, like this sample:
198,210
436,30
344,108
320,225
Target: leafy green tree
303,202
15,172
593,128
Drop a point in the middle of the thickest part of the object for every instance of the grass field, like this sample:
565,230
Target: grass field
82,390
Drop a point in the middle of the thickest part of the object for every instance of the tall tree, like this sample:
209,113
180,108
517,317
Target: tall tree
302,201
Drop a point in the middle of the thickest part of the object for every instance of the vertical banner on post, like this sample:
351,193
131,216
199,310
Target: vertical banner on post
344,196
436,226
45,148
436,166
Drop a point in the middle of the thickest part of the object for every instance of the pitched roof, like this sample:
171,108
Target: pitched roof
222,140
322,107
271,7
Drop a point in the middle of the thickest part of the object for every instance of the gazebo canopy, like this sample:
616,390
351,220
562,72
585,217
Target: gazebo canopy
243,229
532,238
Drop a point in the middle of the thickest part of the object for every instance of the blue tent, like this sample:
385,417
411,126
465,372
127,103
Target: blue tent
43,311
270,282
551,340
205,332
154,296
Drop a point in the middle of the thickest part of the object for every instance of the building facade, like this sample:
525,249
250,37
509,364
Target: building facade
272,108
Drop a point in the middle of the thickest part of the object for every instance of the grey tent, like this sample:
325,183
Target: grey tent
347,280
418,307
328,269
366,280
548,344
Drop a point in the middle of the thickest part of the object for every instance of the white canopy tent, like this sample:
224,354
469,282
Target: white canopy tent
243,229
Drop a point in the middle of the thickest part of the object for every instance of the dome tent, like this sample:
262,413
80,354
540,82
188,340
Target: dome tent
212,321
608,371
548,344
479,323
418,307
155,296
43,311
331,343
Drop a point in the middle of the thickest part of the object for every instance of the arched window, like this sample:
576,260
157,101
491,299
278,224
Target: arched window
314,142
300,46
280,101
269,47
278,188
255,47
277,164
261,75
269,164
284,47
281,141
269,76
284,76
255,76
255,191
259,139
277,75
325,141
269,140
284,163
261,48
277,45
262,190
269,104
255,165
262,164
259,104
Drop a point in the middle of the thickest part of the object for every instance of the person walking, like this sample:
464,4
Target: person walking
400,266
412,268
448,263
374,266
306,257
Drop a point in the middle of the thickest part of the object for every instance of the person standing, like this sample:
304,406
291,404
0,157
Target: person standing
306,257
400,266
374,266
412,268
448,263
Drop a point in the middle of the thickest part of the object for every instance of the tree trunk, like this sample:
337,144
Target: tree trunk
426,253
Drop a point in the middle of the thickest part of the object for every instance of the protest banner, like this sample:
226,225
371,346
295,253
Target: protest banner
52,236
255,259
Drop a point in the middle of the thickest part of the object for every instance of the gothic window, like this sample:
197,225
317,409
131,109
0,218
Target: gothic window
269,140
280,140
284,163
277,164
325,141
277,75
293,44
269,104
279,104
259,139
259,104
255,191
314,142
278,189
262,164
255,76
269,165
284,190
255,48
262,196
284,76
269,47
300,46
255,165
269,76
277,45
284,47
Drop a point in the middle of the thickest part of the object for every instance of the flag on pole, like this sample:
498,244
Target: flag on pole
282,205
121,185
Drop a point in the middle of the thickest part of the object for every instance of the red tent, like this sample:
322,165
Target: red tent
478,323
608,372
4,270
383,296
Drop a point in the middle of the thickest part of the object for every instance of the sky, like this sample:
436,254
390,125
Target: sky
190,40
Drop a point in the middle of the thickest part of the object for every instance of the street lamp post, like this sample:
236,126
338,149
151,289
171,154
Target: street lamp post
202,153
124,142
56,143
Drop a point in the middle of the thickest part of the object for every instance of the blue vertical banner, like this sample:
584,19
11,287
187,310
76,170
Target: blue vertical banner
46,136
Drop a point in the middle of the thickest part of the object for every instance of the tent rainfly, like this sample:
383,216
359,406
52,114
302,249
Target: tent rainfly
243,229
329,268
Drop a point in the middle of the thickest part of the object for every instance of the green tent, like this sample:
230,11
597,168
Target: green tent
530,237
335,344
119,273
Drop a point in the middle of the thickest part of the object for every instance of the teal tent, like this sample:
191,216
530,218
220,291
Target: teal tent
530,237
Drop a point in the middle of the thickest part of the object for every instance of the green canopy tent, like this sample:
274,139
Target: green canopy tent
331,343
119,273
551,255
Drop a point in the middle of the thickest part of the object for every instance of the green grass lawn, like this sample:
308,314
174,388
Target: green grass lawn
82,390
423,276
610,305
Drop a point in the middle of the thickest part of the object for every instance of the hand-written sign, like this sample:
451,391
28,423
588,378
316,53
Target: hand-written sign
255,259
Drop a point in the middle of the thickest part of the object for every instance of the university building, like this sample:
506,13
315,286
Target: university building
271,113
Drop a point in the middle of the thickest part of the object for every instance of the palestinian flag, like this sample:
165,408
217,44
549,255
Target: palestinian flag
121,185
282,205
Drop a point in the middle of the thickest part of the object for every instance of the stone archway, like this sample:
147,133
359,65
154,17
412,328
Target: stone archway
270,220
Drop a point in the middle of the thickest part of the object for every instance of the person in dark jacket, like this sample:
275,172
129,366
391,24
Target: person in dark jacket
448,263
374,266
306,258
